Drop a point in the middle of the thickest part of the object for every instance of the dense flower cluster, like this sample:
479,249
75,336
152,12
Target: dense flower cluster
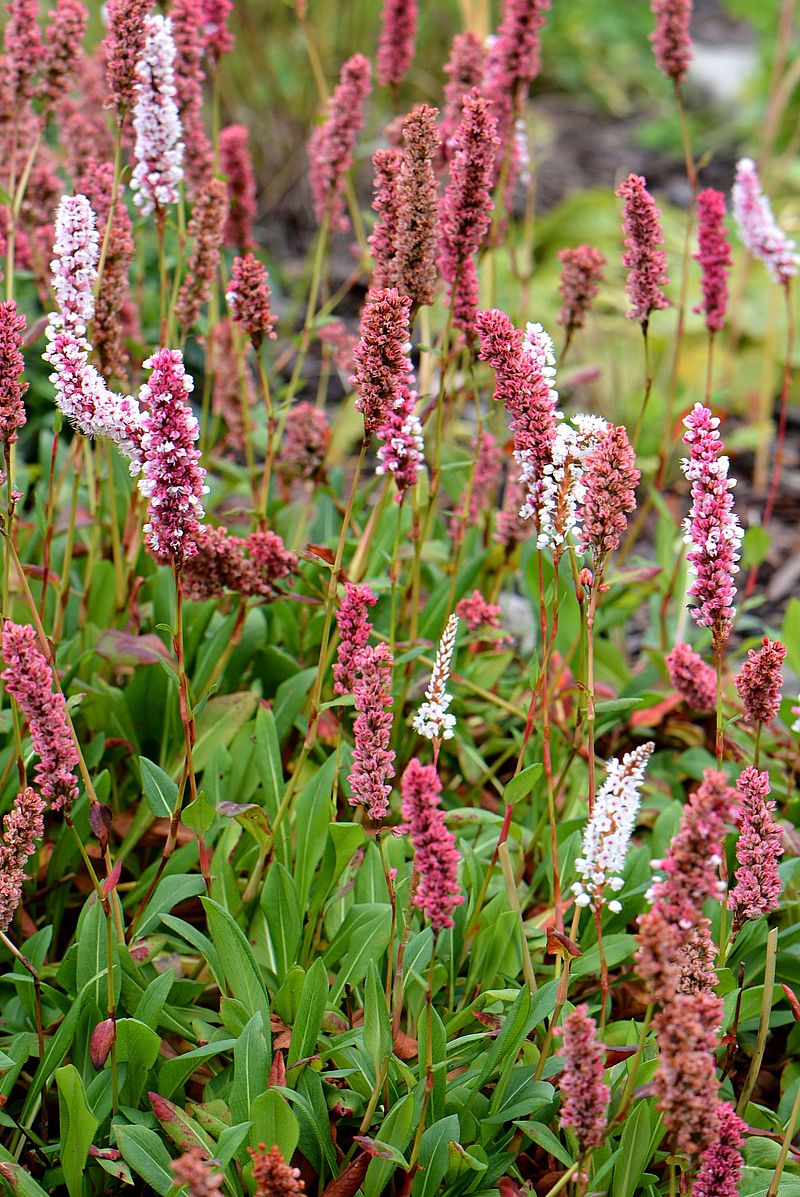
354,629
555,504
757,226
195,1170
158,153
205,228
305,441
331,145
125,48
695,681
477,613
383,239
172,480
396,45
465,69
711,530
383,367
610,826
584,1092
672,43
109,327
187,33
248,297
610,478
373,768
436,857
721,1163
22,827
581,274
237,166
760,844
714,256
418,195
273,1176
29,681
63,49
645,262
759,681
433,719
251,565
12,363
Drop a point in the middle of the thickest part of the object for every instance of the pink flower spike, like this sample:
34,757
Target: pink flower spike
237,166
711,530
354,629
383,239
29,681
610,478
757,226
645,262
686,1083
217,37
436,856
584,1092
124,47
188,35
714,256
465,70
372,771
695,681
63,50
758,885
396,46
206,227
12,364
402,454
465,210
672,43
22,827
484,483
581,271
514,62
720,1170
305,443
477,613
382,364
248,297
172,479
759,681
332,144
23,47
158,151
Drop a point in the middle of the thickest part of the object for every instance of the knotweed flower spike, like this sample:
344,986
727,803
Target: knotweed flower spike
237,166
196,1171
217,37
305,442
29,681
248,297
373,768
418,194
695,681
608,832
711,530
609,483
383,239
477,613
465,70
714,256
672,43
685,1083
436,856
472,502
581,272
645,262
63,49
402,454
432,719
562,491
396,46
757,226
720,1170
12,363
109,327
158,152
206,227
187,33
22,827
354,630
173,479
331,145
22,43
273,1176
383,367
124,50
759,681
514,62
250,566
584,1092
758,885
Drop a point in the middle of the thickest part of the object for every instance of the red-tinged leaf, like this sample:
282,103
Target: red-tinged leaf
489,1020
277,1073
615,1055
405,1046
351,1180
508,1187
320,551
105,1153
653,716
559,944
113,877
794,1004
100,818
116,645
377,1150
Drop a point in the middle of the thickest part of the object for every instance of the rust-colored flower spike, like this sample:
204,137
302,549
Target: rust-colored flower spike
331,145
381,356
419,207
759,681
686,1084
396,45
63,50
22,827
206,228
124,49
97,184
672,43
583,1089
464,69
581,271
237,166
610,478
12,363
386,165
248,297
196,1171
273,1176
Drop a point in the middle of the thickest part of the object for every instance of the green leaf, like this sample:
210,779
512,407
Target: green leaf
396,1131
160,791
184,1131
377,1030
544,1137
308,1023
219,722
284,918
144,1151
92,957
313,813
522,785
199,815
268,760
250,1069
168,893
138,1045
434,1155
17,1178
274,1123
616,949
634,1152
78,1126
239,965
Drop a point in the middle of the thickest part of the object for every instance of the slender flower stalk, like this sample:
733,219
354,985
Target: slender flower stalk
760,844
584,1093
433,719
22,827
158,152
237,166
396,46
29,681
373,768
332,144
608,832
436,857
695,681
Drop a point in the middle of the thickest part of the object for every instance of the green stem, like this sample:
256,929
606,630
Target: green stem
763,1024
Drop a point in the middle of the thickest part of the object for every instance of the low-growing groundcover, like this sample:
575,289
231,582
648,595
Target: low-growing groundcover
399,757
